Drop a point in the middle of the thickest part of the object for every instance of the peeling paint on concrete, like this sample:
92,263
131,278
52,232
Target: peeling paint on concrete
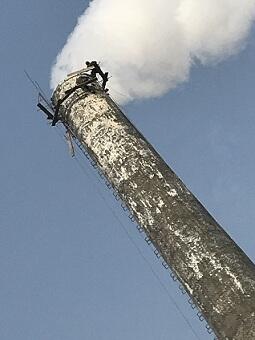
212,268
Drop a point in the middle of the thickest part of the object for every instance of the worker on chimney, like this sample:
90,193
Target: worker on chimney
97,70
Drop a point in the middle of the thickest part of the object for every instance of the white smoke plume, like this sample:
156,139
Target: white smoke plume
149,46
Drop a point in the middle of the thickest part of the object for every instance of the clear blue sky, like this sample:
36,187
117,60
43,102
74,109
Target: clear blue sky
68,269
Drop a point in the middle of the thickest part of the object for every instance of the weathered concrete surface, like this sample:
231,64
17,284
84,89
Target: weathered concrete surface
214,270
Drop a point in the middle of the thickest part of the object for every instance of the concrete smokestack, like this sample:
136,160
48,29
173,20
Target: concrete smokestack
216,273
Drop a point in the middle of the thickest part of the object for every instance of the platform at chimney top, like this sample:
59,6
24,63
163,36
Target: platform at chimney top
77,81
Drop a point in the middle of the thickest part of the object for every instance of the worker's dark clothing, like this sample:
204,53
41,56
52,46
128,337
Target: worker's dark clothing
97,70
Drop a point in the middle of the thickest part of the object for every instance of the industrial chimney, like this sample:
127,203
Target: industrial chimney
215,272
